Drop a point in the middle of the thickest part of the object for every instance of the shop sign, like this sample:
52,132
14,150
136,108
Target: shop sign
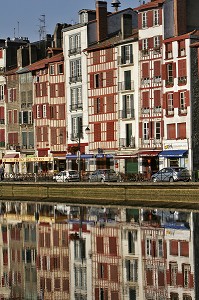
27,159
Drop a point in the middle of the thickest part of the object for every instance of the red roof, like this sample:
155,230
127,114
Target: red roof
44,62
149,5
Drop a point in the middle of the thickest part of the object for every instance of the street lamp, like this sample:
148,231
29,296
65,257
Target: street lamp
87,130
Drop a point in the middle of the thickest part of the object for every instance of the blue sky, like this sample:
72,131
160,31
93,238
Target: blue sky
21,17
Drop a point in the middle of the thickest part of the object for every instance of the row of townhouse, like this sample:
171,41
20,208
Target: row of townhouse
123,94
97,253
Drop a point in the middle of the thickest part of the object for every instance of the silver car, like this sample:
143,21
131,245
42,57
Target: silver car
66,176
103,175
171,175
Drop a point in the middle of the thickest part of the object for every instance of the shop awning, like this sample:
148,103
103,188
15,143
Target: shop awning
11,155
74,156
149,153
102,155
173,153
126,156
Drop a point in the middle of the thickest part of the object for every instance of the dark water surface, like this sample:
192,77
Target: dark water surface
71,252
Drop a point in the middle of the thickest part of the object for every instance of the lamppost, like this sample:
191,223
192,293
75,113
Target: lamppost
87,130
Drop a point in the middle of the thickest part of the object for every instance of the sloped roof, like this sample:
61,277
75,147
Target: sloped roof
44,62
149,5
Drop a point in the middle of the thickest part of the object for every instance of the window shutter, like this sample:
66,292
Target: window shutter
184,248
114,273
109,78
110,131
182,69
139,21
150,18
53,136
2,135
149,277
96,293
52,90
171,134
157,98
110,103
145,99
91,81
2,116
161,278
100,244
174,70
182,130
164,72
101,79
145,70
112,246
140,130
157,68
176,99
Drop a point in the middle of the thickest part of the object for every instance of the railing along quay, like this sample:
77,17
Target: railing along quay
133,194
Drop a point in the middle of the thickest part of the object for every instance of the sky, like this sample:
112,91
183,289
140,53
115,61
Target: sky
23,18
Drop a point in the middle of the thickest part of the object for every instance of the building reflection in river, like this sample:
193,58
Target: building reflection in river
69,252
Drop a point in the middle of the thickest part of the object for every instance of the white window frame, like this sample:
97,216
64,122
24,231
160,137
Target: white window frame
146,131
157,130
145,44
2,92
38,112
156,41
182,100
52,69
44,111
160,248
155,17
148,246
170,101
144,20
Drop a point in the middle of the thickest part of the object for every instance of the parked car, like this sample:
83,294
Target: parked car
66,176
103,175
171,175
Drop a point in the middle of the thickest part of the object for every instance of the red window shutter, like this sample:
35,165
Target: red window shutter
171,134
96,293
37,89
176,99
97,132
56,238
173,247
139,21
1,53
140,45
150,43
65,263
96,57
91,81
15,138
109,78
161,278
101,79
44,88
162,134
61,112
2,115
140,129
52,90
48,284
157,68
112,246
63,132
145,99
15,116
109,54
10,117
110,104
164,72
61,89
187,98
181,130
114,273
149,277
145,70
14,95
2,135
182,68
114,295
150,18
110,131
182,44
180,279
100,244
160,16
101,105
105,266
38,136
45,134
184,248
174,70
65,285
157,98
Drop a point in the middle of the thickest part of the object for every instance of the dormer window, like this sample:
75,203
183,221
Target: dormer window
155,17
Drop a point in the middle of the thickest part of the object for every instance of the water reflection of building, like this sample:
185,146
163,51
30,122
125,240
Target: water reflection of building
96,253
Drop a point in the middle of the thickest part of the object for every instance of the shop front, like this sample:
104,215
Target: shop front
148,162
174,154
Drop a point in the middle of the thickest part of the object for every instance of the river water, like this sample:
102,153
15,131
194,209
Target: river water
118,253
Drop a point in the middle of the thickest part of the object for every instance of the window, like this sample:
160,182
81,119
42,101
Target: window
169,74
157,130
127,56
60,68
38,111
186,273
79,249
128,107
148,247
75,70
132,270
52,69
173,273
12,93
146,131
181,48
156,42
97,80
74,44
127,80
155,17
80,277
145,47
182,101
1,92
168,48
160,248
44,111
76,98
76,127
170,108
144,20
132,237
181,130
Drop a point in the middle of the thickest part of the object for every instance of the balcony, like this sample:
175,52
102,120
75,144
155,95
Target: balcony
125,86
182,110
2,121
125,60
76,106
145,110
157,79
182,80
127,143
145,81
169,82
74,79
156,50
74,51
145,52
76,136
157,110
170,112
128,113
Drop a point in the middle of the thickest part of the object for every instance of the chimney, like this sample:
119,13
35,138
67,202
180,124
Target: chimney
101,17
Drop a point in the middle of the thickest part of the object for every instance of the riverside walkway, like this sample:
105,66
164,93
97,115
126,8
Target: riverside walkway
158,195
